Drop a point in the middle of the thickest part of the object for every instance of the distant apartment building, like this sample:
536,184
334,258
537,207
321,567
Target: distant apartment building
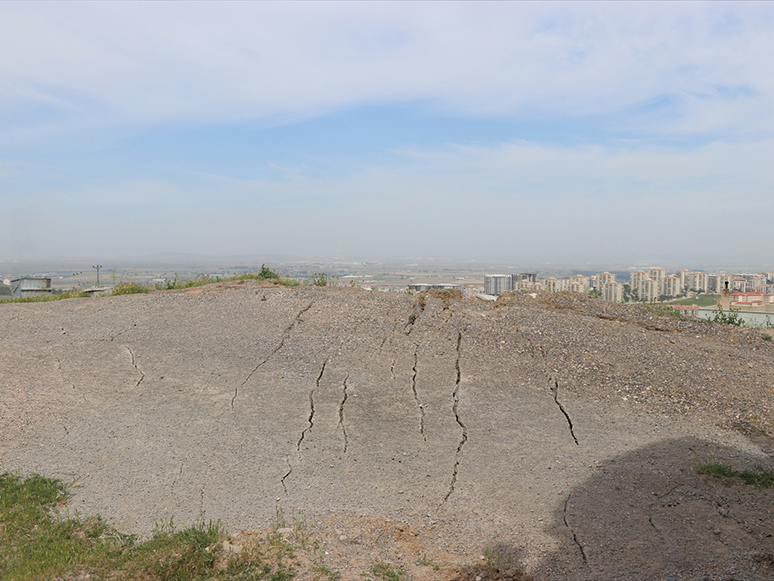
496,284
604,278
555,285
527,285
740,283
699,282
683,277
658,275
612,291
636,278
583,281
751,299
651,290
721,280
470,291
672,286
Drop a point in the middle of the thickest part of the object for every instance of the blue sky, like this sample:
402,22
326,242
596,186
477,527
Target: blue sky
511,132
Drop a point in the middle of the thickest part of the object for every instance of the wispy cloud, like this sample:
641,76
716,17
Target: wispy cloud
666,68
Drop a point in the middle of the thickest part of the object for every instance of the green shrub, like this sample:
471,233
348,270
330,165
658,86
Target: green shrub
320,279
130,288
730,318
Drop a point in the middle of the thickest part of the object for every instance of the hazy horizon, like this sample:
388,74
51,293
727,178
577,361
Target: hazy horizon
510,133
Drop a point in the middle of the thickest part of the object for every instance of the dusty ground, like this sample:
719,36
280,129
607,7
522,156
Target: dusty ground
558,431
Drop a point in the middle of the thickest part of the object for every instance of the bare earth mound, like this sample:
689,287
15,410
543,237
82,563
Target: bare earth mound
557,431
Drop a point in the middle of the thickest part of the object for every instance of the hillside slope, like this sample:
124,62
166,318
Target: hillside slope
565,428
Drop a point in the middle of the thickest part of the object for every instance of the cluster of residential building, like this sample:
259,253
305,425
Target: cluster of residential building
644,285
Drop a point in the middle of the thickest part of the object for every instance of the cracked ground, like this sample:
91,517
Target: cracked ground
564,428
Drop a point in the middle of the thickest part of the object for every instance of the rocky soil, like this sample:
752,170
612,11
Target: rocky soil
555,431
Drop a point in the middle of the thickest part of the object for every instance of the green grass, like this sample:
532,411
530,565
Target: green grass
700,300
40,540
758,478
74,294
386,572
130,288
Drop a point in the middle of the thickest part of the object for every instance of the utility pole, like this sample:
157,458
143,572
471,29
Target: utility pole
97,267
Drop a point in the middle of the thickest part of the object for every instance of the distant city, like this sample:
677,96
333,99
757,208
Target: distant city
685,289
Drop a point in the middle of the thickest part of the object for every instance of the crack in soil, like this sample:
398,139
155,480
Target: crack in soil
179,474
134,364
174,481
311,408
555,392
285,336
288,473
114,337
456,399
341,413
416,396
419,308
574,536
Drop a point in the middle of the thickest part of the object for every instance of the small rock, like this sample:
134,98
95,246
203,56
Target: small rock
342,538
284,531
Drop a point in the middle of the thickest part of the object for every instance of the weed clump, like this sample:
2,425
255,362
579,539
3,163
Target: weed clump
758,478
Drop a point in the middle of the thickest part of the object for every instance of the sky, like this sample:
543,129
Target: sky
517,132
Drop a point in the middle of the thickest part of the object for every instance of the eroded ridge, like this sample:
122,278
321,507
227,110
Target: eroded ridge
456,400
416,396
341,412
281,344
555,392
572,532
134,364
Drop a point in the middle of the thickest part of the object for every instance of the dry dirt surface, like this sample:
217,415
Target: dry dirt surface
555,431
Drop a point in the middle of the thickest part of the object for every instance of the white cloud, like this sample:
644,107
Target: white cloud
114,63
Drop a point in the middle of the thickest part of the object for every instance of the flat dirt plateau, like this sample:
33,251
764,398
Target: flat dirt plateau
555,430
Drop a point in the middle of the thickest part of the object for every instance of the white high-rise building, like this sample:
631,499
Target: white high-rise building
671,286
496,284
612,292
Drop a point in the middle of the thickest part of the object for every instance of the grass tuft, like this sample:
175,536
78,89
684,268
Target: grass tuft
130,288
386,572
759,478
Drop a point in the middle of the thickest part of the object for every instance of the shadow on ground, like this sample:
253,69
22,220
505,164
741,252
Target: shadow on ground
650,514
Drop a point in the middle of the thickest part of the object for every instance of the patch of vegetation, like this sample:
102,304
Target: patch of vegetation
386,572
130,288
727,318
758,478
699,300
5,290
765,336
320,279
662,310
38,541
73,294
